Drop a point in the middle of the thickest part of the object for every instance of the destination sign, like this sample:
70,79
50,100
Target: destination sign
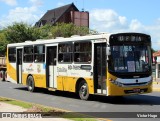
129,38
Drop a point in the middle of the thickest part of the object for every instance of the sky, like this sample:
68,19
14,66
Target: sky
105,15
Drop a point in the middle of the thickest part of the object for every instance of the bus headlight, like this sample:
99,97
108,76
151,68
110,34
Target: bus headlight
148,83
117,83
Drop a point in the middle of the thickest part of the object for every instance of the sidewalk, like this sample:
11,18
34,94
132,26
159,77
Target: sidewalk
4,107
156,85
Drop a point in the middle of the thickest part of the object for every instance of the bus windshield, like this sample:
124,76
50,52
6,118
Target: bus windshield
130,58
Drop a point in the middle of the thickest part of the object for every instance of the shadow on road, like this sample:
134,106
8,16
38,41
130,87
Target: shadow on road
127,100
52,93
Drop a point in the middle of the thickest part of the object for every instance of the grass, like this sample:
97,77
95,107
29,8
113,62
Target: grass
63,114
81,117
15,102
25,104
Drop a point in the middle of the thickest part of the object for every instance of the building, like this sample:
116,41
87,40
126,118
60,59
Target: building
65,14
156,65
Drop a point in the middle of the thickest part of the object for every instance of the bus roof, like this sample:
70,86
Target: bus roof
69,39
61,39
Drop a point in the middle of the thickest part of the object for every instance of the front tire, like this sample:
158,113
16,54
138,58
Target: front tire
83,90
30,84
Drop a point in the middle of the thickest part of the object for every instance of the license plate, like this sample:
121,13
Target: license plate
137,90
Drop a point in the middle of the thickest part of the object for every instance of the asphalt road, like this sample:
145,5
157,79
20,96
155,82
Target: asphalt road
70,101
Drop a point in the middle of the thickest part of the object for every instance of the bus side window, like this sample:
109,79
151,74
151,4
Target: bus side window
12,55
54,61
60,57
39,53
28,54
65,52
82,52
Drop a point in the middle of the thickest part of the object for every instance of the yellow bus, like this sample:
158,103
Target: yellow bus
109,64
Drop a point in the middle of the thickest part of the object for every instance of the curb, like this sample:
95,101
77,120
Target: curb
103,119
156,82
156,86
156,89
37,104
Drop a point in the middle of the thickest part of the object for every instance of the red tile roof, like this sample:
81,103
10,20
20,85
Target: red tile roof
156,53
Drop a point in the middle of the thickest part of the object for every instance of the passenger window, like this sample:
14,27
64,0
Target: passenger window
39,53
82,52
12,55
28,54
65,52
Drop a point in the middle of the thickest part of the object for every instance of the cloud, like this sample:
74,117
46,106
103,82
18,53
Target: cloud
101,20
60,4
10,2
27,15
135,25
108,20
36,2
153,30
22,14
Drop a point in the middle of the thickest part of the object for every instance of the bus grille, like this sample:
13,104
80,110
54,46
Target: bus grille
133,91
135,84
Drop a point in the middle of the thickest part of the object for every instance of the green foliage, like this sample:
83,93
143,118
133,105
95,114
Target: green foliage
67,30
16,102
45,32
3,43
20,32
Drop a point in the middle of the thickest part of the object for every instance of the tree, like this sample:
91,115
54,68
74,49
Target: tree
45,31
20,32
3,43
67,30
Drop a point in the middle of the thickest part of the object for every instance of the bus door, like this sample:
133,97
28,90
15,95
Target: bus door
100,68
51,63
19,65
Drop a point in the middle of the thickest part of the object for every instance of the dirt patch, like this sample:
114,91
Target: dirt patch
34,109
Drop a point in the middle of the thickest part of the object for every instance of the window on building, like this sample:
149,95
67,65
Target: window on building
82,52
12,55
39,53
28,54
65,52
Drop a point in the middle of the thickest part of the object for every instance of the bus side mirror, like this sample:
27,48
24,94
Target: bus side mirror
108,51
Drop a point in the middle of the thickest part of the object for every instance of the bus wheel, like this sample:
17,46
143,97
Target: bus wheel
30,84
83,90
